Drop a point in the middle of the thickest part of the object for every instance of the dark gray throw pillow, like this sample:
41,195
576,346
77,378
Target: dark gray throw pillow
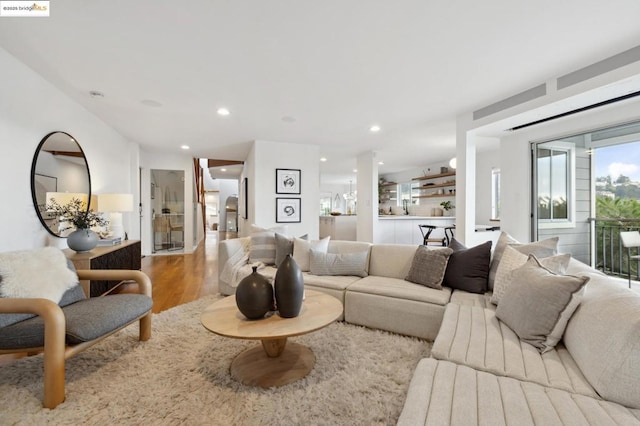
468,268
428,266
284,246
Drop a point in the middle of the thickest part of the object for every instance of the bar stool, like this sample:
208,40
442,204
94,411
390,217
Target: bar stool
448,233
426,231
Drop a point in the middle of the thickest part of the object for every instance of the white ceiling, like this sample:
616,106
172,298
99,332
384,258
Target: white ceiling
335,66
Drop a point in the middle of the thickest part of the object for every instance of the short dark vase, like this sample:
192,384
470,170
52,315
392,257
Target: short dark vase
254,295
289,288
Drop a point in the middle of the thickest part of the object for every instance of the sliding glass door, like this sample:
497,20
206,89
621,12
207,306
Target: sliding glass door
562,194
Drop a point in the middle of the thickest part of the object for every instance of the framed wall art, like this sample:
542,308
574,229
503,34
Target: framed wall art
244,199
288,181
288,210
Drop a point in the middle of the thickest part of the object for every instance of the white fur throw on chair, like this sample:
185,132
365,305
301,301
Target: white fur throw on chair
40,273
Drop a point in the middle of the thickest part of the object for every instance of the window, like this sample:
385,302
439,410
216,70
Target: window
495,194
554,199
404,193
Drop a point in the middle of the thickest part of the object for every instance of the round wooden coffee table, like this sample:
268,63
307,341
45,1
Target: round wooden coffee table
275,363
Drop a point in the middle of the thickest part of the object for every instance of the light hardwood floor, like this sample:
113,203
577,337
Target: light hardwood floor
177,278
183,278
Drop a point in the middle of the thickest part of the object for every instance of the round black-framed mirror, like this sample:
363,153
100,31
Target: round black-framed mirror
59,168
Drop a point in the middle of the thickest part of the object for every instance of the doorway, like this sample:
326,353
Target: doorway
167,210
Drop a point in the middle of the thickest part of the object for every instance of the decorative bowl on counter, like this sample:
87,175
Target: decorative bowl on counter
335,213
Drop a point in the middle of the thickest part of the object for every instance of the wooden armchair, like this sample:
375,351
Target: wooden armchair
62,332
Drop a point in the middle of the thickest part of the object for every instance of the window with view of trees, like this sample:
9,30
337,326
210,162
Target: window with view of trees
553,170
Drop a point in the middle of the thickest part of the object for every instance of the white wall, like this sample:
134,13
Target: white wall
260,168
486,162
30,108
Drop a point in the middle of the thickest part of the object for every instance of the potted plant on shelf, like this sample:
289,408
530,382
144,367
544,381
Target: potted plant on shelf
447,206
75,214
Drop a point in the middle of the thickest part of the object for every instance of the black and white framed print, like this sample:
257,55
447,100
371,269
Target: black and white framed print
287,181
288,210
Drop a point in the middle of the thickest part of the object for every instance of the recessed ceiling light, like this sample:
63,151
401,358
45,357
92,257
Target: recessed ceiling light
184,146
323,159
355,170
151,103
96,94
381,163
375,128
223,112
223,170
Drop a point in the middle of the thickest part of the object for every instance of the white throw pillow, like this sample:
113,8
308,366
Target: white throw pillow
301,249
513,259
39,273
355,264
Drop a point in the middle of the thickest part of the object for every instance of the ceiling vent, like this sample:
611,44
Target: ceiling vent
606,65
576,111
510,102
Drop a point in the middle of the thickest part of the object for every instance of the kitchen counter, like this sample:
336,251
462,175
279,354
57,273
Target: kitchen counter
341,227
410,217
403,229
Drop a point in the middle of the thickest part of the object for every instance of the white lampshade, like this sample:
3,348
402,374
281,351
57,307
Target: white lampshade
64,198
453,163
114,203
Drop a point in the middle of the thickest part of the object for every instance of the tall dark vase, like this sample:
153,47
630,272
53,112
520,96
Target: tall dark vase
254,295
289,288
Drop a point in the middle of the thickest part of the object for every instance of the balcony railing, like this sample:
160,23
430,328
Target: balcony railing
611,256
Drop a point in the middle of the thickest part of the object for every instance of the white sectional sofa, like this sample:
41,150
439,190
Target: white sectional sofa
382,300
479,371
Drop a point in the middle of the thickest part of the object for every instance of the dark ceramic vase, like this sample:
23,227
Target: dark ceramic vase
254,295
289,288
82,240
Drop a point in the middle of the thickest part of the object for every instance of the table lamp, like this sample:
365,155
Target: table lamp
115,204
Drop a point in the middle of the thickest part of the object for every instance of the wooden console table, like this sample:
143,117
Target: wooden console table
126,255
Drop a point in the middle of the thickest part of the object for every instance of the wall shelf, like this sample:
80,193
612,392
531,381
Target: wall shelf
438,185
439,175
386,193
434,196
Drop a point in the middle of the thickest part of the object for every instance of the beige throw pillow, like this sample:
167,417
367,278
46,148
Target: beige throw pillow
538,304
541,249
513,259
263,244
301,250
428,266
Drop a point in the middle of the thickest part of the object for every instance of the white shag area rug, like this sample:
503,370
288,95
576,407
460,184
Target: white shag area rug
181,376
